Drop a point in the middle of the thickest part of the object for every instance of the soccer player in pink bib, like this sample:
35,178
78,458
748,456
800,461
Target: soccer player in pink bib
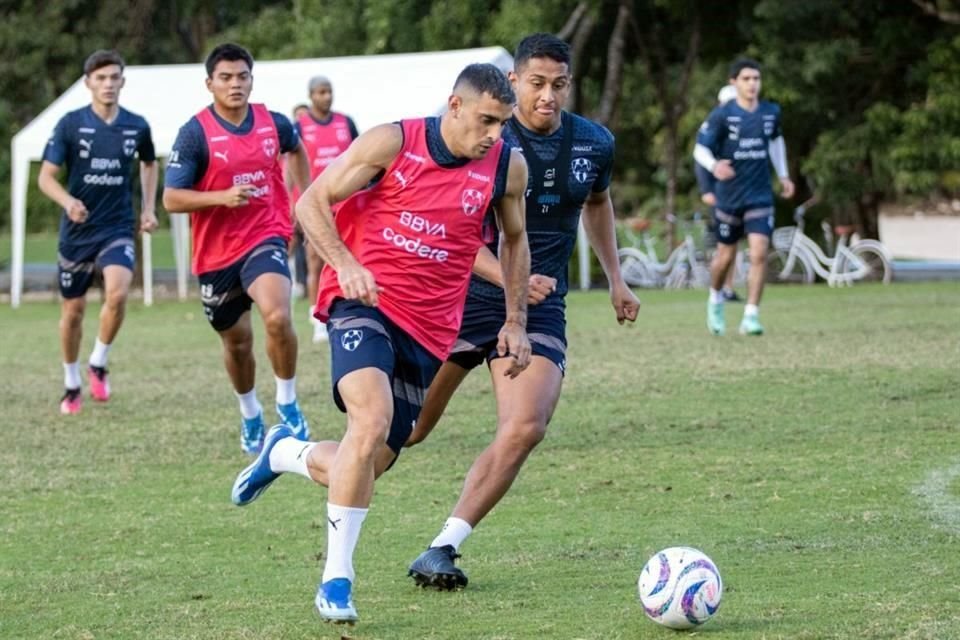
399,255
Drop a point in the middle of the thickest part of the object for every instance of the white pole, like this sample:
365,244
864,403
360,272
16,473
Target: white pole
583,249
147,243
18,202
180,226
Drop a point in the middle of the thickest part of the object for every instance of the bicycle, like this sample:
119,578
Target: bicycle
642,267
797,258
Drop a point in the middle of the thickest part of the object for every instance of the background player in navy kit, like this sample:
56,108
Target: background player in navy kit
736,144
570,162
98,144
707,184
241,226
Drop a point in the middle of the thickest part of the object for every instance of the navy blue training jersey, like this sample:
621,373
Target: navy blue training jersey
190,155
565,167
99,159
743,137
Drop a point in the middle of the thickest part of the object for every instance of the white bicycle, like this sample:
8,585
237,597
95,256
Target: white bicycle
642,267
795,257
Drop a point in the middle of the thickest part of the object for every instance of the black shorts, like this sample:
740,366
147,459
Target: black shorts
224,292
477,341
76,266
733,225
361,337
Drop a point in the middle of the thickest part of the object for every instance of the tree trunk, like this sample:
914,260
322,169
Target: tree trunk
577,46
611,83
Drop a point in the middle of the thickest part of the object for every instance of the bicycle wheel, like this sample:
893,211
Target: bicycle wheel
800,271
876,262
636,269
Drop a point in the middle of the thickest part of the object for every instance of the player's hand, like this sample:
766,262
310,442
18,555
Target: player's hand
357,283
148,222
723,170
709,199
539,288
513,341
625,302
238,195
787,188
77,211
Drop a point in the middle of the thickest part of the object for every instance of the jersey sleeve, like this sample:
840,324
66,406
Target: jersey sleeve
58,145
145,150
711,131
354,133
286,132
188,159
605,171
705,179
777,131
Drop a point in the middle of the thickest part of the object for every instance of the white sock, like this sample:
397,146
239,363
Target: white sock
71,375
286,390
289,455
99,356
249,405
454,532
716,296
751,310
343,531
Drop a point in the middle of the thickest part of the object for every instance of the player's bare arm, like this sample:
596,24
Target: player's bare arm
487,266
598,222
298,168
515,265
51,187
189,200
369,154
149,176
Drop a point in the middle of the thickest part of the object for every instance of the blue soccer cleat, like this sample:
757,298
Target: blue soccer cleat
750,326
258,475
291,416
435,568
334,602
251,434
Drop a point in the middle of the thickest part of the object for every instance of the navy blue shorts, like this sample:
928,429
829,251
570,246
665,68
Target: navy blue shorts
477,341
731,226
361,337
76,266
224,292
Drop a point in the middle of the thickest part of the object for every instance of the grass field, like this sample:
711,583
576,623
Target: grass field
819,466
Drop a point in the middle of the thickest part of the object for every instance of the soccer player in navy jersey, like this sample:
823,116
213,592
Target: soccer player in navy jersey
399,254
225,170
737,144
99,145
707,184
570,163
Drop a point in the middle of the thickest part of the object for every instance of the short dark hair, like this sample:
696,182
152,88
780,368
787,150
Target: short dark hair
541,45
102,58
740,64
227,51
487,78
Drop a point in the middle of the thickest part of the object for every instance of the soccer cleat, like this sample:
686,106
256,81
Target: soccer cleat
258,475
334,603
71,402
99,383
435,568
293,418
251,434
716,322
750,326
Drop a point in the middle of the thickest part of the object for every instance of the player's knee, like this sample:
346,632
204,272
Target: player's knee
277,321
523,435
116,301
239,346
71,317
368,432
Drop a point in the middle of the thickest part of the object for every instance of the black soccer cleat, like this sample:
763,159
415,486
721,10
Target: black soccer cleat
435,568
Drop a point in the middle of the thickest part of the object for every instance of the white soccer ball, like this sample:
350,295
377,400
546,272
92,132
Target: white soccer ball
680,587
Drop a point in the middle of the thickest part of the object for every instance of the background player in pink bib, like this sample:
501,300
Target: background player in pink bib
399,255
225,169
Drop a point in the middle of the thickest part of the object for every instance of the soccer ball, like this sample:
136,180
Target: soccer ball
680,587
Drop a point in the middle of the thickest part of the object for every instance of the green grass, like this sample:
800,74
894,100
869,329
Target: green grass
42,247
819,466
